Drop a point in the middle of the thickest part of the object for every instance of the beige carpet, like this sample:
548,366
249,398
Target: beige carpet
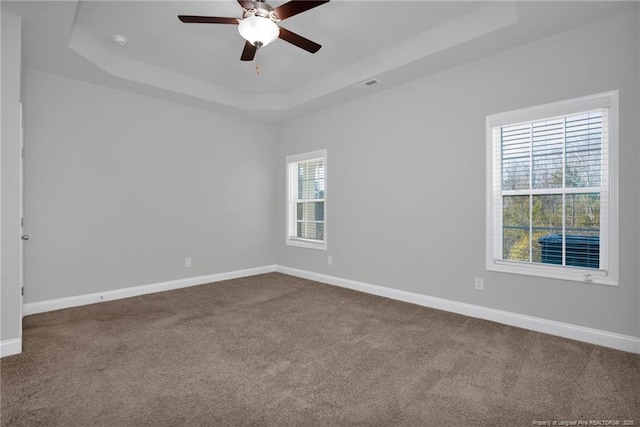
275,350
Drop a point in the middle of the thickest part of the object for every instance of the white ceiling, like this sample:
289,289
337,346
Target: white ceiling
199,64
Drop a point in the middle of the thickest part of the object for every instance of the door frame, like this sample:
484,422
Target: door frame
21,208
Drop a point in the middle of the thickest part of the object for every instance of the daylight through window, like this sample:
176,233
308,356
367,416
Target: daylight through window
550,190
306,201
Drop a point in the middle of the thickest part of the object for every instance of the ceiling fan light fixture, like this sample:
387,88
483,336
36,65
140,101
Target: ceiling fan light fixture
258,30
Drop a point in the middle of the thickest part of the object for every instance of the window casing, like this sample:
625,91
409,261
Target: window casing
552,197
306,200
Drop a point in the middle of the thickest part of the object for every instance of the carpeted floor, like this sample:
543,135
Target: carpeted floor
275,350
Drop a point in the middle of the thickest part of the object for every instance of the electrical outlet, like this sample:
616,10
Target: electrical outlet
187,262
479,283
329,260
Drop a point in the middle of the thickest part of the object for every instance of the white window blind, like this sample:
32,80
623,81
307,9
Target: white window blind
306,200
551,193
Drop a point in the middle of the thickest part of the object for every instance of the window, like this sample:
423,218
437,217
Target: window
552,190
306,200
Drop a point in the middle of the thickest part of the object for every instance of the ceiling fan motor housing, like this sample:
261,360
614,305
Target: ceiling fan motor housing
261,9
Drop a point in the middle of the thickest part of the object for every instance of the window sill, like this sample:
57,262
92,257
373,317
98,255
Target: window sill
306,243
574,274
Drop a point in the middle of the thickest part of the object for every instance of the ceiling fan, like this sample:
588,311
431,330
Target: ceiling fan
258,25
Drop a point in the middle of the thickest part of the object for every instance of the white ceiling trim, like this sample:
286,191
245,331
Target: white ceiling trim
477,23
140,72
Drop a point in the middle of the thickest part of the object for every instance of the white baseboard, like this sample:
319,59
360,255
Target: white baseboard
75,301
565,330
10,347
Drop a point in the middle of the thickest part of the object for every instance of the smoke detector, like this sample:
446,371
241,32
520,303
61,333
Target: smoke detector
119,40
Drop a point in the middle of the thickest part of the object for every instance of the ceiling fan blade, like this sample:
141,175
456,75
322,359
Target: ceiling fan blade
246,4
299,41
249,52
190,19
295,7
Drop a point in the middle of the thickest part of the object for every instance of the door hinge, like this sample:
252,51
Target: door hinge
21,222
22,291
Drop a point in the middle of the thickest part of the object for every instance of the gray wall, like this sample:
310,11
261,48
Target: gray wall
406,178
10,176
121,188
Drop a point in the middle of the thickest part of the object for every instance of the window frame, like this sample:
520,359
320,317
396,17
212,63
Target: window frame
609,276
291,220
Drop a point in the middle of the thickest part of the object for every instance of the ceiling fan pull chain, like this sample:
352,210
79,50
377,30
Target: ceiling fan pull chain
257,63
